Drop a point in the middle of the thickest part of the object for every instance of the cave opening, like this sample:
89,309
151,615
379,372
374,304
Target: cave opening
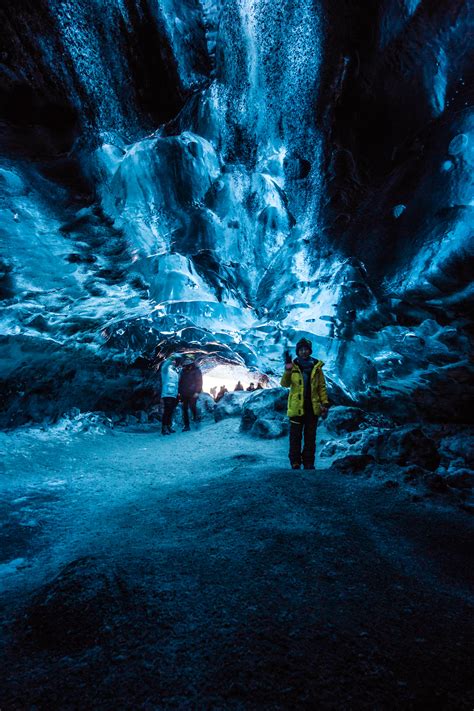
229,375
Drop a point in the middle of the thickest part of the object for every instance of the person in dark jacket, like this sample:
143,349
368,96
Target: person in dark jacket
238,387
223,390
190,385
307,400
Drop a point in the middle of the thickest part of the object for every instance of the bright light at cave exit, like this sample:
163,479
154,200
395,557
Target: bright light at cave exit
228,375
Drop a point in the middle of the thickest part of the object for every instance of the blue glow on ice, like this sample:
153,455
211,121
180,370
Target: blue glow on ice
458,144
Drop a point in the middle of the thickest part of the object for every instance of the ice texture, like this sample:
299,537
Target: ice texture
181,176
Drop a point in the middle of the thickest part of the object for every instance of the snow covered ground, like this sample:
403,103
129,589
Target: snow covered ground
62,490
198,571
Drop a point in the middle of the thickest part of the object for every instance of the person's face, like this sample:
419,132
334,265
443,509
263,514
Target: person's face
304,352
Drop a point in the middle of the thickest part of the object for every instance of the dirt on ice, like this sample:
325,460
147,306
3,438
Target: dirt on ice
197,571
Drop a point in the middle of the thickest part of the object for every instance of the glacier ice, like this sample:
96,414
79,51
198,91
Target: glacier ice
199,187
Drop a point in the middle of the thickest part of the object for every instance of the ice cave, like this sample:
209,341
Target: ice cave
210,184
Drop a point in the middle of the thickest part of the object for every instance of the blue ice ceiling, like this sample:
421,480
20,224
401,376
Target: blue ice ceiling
225,177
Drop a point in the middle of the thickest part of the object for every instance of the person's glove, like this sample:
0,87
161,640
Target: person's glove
288,366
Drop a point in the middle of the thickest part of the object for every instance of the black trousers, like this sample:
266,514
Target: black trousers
299,426
189,403
169,406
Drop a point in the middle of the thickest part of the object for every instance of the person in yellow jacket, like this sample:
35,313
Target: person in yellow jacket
307,401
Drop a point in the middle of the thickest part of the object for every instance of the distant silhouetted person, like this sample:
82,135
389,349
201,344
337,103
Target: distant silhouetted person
190,385
251,388
169,392
307,401
213,391
221,393
238,387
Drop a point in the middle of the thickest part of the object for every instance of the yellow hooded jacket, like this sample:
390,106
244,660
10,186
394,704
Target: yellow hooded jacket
293,379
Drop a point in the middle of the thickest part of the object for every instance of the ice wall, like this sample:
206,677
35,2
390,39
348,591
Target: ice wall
226,177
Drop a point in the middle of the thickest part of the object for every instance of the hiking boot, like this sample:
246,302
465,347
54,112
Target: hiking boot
309,466
171,430
164,432
296,466
187,428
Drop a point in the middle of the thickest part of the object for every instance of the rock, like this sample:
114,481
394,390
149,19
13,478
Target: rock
410,445
463,479
206,406
413,472
350,419
458,446
230,405
344,419
374,442
332,448
91,422
264,413
270,427
262,404
405,446
353,463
